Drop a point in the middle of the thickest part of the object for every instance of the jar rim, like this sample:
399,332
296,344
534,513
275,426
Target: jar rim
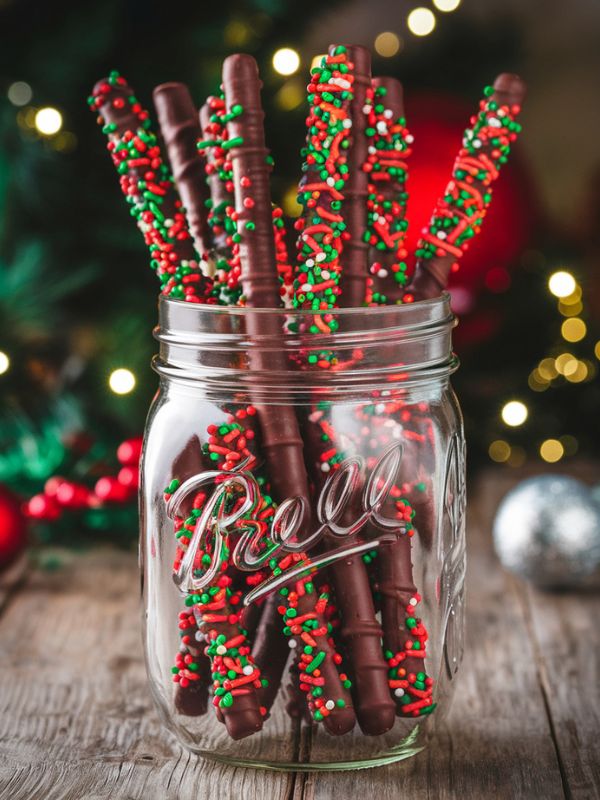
401,308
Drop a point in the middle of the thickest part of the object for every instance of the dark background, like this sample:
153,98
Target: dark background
77,299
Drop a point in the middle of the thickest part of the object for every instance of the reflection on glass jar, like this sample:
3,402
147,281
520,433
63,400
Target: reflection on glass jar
303,533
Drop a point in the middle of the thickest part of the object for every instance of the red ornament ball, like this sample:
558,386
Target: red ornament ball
13,526
129,451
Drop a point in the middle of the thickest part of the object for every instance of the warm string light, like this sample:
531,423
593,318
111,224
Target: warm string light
421,21
4,362
387,44
48,121
561,283
552,450
289,202
573,329
446,5
286,61
514,413
121,381
19,93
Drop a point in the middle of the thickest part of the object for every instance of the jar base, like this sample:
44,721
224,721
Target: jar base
405,749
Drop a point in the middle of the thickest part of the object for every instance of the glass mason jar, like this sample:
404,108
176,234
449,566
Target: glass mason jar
302,533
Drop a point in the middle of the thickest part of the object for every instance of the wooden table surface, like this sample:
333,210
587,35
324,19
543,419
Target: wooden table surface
76,719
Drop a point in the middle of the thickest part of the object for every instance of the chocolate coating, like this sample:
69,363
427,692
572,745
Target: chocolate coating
241,84
430,277
180,128
396,587
361,635
125,119
353,281
281,441
243,717
270,650
219,194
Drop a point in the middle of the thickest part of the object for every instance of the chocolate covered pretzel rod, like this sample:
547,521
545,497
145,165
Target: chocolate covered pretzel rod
180,128
458,215
389,145
360,632
217,609
353,261
281,441
148,187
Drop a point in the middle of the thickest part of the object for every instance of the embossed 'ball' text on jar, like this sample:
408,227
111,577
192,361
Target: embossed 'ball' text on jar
302,542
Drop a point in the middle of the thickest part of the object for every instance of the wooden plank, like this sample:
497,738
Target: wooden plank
567,637
76,719
497,740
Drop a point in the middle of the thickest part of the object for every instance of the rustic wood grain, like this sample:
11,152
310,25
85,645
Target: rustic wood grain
76,718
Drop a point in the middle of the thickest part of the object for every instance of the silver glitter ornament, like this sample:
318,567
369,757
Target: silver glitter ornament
547,530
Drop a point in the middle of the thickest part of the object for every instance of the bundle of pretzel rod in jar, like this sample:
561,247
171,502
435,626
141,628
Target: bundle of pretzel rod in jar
349,628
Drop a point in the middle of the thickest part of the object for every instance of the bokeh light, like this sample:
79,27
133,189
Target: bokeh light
421,21
4,362
561,283
446,5
537,382
569,443
290,203
565,364
517,456
551,450
573,329
291,95
499,451
286,61
19,93
48,121
387,44
514,413
122,381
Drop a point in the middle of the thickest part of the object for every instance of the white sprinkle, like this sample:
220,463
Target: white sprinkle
388,113
325,274
442,235
381,127
183,649
248,669
292,643
476,143
413,601
409,138
221,649
325,467
330,705
310,262
383,273
493,122
371,150
347,123
380,408
399,692
366,109
306,287
199,637
321,256
169,223
342,82
330,181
